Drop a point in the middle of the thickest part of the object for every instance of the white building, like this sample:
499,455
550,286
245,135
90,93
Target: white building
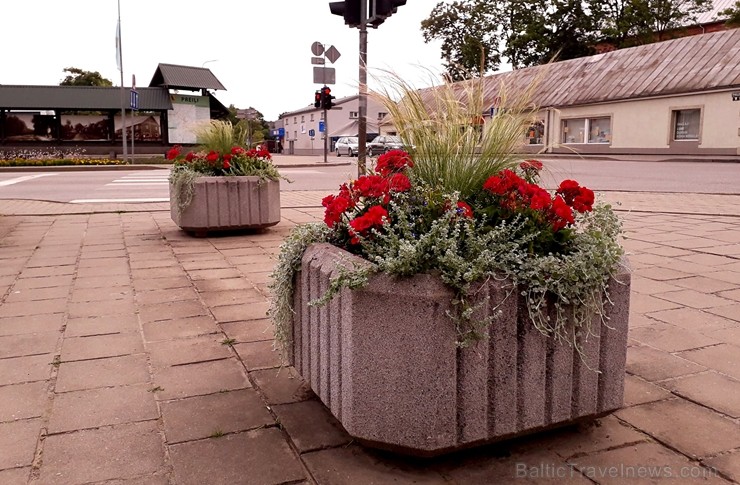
305,128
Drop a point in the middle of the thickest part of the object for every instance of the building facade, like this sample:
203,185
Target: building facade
304,129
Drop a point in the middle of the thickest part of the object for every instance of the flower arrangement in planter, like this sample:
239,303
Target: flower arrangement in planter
222,185
448,299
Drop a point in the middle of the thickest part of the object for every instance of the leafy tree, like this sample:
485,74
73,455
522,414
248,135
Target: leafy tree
258,128
470,31
732,14
654,17
531,32
78,77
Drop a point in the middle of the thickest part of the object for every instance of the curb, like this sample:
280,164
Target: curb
82,168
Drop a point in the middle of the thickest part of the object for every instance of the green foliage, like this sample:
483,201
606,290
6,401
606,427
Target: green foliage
282,278
78,77
532,32
23,162
732,14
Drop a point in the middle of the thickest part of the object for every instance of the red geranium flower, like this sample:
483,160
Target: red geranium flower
238,150
562,214
502,183
212,157
189,157
535,165
393,161
173,152
399,182
464,209
371,186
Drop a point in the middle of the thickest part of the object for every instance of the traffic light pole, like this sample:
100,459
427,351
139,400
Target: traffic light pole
362,135
326,134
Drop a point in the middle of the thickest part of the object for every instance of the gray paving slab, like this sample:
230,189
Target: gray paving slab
132,383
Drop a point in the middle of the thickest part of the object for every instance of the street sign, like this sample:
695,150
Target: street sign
318,60
332,54
134,99
317,48
321,126
281,132
311,132
324,75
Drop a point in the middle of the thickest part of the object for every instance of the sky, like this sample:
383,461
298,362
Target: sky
260,50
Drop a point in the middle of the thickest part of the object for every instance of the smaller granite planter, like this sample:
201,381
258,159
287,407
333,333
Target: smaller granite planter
383,359
228,203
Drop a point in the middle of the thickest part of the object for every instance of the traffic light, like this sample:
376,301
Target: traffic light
381,10
349,9
317,99
326,98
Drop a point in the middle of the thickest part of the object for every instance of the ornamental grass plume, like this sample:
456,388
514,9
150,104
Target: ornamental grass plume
455,149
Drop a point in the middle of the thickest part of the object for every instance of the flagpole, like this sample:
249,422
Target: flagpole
119,57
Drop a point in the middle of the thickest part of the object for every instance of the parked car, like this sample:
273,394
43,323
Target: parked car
384,143
346,145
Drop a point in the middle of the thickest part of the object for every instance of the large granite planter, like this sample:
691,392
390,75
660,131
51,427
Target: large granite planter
228,203
384,361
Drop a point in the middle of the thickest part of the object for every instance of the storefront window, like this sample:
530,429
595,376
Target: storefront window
686,124
574,130
536,133
600,130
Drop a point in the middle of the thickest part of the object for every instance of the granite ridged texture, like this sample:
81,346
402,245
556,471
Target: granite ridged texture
383,359
229,203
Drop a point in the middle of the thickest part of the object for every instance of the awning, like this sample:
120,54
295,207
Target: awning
352,129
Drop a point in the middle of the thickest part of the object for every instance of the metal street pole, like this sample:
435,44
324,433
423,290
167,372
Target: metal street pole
326,135
362,135
123,91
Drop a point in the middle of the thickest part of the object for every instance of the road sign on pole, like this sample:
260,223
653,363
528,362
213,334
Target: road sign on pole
324,75
134,99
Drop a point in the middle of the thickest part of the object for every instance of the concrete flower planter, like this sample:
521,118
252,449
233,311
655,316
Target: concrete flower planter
384,361
228,203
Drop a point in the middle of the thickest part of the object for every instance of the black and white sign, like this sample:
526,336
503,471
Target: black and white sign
736,96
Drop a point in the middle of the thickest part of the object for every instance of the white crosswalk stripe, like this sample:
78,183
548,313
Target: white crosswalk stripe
140,179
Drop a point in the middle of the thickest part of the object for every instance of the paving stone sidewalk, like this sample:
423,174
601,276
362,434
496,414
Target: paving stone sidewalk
132,353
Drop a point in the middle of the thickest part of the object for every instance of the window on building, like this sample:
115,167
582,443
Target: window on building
295,135
311,116
295,119
686,124
303,119
382,115
536,133
354,115
599,130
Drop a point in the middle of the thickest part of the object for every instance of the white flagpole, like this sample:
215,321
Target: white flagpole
119,60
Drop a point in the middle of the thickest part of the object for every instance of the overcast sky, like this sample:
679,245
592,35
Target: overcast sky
260,50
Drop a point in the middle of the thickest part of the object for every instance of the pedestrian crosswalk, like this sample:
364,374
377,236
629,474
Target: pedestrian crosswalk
141,179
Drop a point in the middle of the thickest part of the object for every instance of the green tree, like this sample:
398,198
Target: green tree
78,77
470,31
653,18
531,32
732,14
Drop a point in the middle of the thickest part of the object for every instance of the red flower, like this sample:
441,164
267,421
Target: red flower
189,157
580,198
393,161
371,186
238,150
464,209
226,165
502,183
398,182
562,214
335,207
373,217
534,165
173,152
540,199
212,157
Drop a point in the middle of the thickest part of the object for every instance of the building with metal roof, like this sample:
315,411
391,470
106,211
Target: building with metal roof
680,96
90,116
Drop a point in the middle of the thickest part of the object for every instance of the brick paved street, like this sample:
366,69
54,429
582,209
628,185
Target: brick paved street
132,353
